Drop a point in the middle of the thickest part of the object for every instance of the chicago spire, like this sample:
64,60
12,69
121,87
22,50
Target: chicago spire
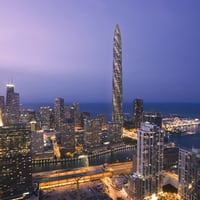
117,78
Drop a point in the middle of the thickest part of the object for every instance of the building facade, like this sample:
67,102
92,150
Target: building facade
59,113
117,99
153,118
15,162
148,177
12,105
92,133
137,112
115,132
189,174
44,117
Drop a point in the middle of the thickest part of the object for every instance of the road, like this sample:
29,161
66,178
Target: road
84,174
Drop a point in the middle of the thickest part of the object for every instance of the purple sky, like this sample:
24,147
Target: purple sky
63,48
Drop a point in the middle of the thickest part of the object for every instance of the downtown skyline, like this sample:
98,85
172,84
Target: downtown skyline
64,49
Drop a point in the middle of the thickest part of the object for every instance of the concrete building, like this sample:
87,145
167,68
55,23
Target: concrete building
153,118
115,132
12,105
189,174
92,132
44,117
2,103
59,113
170,158
137,112
37,144
117,99
148,177
15,162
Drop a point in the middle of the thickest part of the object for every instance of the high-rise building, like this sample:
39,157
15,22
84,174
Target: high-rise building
153,118
92,131
2,103
117,99
59,113
148,177
75,114
66,140
189,174
12,105
137,112
15,161
44,117
115,132
1,118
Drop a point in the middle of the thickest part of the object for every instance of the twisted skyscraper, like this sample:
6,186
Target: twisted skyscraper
117,78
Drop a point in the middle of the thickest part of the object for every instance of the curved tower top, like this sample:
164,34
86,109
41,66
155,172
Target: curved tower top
117,99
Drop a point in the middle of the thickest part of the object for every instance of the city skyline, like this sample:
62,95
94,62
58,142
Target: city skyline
65,50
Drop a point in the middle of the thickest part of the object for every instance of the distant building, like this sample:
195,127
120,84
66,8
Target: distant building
147,179
59,113
84,115
117,99
12,105
66,140
92,132
115,132
153,118
170,159
137,112
189,174
2,103
44,117
26,115
75,114
37,144
103,120
15,162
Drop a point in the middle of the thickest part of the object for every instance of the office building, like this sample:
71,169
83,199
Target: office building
12,105
115,132
26,115
66,140
75,114
103,121
189,174
147,179
137,112
1,118
59,113
15,162
2,103
153,118
170,157
44,117
117,99
37,144
92,133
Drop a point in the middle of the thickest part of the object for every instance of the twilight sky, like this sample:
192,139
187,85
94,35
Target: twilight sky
64,48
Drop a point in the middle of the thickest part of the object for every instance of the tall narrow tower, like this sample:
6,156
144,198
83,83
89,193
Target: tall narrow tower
117,78
12,105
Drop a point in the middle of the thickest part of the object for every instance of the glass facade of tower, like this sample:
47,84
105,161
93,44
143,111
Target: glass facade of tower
138,112
117,78
148,177
189,174
59,113
12,105
15,161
